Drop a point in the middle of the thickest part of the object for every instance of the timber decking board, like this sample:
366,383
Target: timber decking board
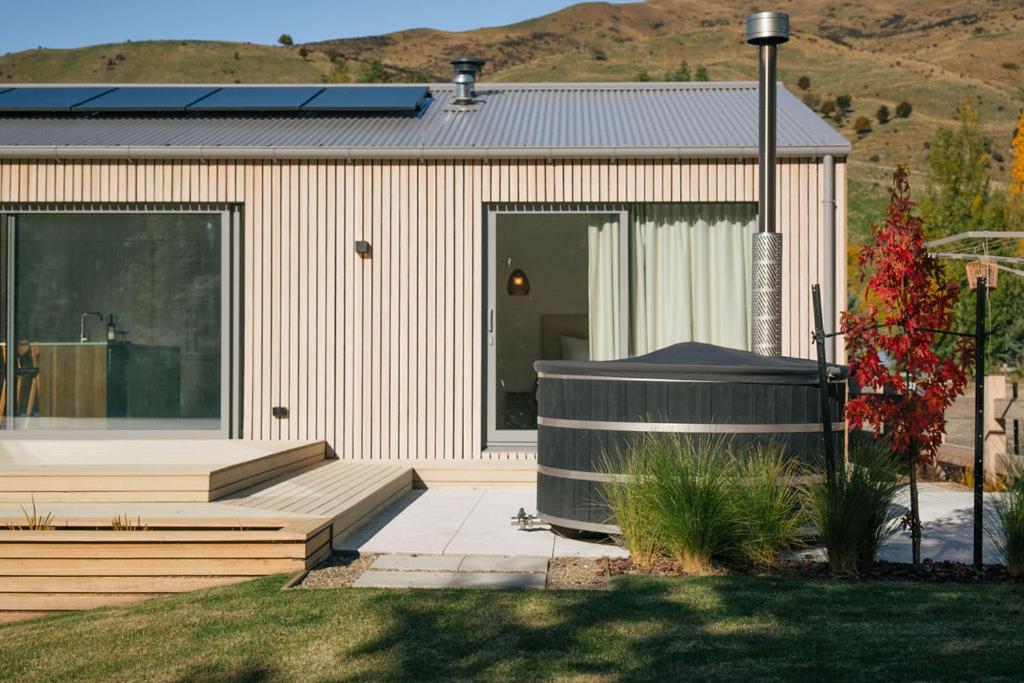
112,584
335,486
284,524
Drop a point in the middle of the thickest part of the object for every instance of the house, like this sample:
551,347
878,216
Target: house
380,266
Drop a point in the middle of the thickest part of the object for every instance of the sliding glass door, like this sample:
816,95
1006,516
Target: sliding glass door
116,321
558,290
604,284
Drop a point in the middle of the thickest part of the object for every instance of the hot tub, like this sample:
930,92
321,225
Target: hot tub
589,411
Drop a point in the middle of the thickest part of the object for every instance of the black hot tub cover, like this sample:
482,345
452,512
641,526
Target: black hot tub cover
698,361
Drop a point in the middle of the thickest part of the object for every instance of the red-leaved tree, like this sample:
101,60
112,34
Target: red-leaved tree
907,293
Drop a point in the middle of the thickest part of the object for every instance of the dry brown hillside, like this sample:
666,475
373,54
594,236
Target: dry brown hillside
879,52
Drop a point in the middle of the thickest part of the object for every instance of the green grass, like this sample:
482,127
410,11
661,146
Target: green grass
701,628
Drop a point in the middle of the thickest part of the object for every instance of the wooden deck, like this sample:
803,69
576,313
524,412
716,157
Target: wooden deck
252,510
144,471
345,491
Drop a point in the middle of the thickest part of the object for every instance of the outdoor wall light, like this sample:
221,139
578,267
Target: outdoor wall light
518,283
279,412
364,249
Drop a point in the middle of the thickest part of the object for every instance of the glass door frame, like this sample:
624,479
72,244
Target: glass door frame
516,439
230,313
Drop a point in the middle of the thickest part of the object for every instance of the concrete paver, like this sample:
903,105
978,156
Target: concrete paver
501,563
498,580
378,579
467,521
417,563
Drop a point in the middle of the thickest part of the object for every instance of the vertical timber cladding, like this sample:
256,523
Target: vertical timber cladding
383,357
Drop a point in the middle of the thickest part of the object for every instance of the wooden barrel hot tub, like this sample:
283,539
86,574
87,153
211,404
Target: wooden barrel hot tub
588,411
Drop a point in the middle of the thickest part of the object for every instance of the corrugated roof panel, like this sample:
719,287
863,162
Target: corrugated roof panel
617,119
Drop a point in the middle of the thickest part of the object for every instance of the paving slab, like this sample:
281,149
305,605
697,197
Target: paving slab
502,563
488,530
417,563
947,527
379,579
498,580
423,521
466,521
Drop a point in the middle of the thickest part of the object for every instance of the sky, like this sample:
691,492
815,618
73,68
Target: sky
28,24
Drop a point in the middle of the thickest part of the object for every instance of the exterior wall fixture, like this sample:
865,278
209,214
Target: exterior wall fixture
767,30
518,283
363,249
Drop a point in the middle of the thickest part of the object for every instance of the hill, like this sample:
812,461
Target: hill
879,52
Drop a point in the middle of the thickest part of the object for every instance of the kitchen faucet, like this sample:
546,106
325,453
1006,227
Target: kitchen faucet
87,315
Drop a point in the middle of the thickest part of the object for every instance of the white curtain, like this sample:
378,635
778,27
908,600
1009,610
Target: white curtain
691,275
603,291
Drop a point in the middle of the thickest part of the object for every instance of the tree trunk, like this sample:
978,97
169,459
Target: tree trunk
915,512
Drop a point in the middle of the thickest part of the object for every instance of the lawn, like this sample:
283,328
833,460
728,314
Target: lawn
707,628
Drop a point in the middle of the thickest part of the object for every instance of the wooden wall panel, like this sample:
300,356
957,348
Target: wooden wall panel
383,357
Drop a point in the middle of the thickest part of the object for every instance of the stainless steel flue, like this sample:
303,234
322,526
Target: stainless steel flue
767,30
467,69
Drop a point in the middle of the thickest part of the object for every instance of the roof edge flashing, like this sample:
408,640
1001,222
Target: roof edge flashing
61,153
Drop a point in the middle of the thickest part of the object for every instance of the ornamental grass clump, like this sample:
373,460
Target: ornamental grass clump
1009,507
769,503
697,501
856,514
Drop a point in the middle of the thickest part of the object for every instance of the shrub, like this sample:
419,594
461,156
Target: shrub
844,102
1009,506
372,72
680,74
768,503
855,515
701,75
697,501
811,100
903,109
285,39
804,82
862,125
629,504
828,108
598,53
642,76
882,114
304,53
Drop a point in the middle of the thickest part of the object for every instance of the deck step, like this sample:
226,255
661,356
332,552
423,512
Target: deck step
301,505
132,479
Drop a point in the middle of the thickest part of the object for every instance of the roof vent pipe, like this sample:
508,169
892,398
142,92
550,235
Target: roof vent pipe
767,30
467,69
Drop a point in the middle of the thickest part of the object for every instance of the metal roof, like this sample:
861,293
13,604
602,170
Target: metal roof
556,120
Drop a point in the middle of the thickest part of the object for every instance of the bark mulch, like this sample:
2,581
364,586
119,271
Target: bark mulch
932,572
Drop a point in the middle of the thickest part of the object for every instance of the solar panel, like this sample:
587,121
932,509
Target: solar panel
47,98
365,99
159,98
257,98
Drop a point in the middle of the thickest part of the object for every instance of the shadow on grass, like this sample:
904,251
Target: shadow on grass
220,672
709,628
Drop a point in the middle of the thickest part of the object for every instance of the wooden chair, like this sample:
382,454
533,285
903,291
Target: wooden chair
27,367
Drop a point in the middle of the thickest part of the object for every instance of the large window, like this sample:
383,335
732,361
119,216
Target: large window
115,320
606,284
